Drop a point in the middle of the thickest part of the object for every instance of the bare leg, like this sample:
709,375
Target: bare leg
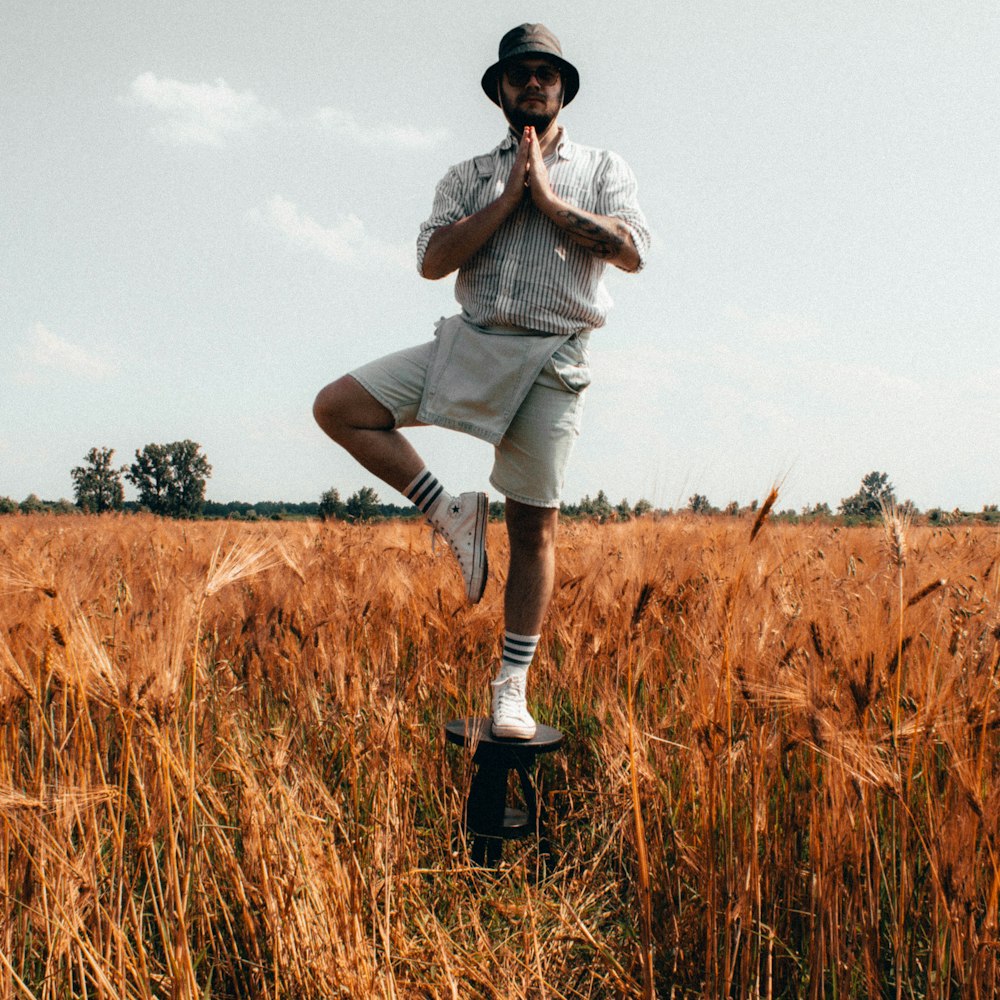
359,423
532,534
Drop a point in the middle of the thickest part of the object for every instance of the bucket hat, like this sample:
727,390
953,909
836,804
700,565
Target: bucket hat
531,40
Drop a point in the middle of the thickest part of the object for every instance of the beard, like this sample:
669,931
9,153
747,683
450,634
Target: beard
519,118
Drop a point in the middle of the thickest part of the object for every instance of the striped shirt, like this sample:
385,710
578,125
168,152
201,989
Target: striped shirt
530,274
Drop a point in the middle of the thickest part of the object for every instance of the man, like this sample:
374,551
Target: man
530,227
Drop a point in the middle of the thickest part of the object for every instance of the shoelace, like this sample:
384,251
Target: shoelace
510,695
437,533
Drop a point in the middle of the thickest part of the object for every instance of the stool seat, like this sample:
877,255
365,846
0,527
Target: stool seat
479,731
486,815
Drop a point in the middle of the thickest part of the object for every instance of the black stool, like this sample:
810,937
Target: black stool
487,816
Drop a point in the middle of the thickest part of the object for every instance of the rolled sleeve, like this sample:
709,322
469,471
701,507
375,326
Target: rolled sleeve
448,207
619,199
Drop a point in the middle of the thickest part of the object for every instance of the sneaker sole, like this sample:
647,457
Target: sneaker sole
480,564
512,732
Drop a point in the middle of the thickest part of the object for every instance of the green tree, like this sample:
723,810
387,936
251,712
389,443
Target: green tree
97,486
818,511
170,478
642,507
876,491
8,506
151,475
331,507
600,507
191,472
698,504
31,504
363,505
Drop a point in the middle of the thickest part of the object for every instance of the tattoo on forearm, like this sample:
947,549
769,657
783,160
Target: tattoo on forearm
598,239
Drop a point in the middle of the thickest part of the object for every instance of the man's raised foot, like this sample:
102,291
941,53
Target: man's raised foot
461,522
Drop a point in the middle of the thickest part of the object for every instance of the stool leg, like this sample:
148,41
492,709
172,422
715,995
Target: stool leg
528,791
536,811
485,812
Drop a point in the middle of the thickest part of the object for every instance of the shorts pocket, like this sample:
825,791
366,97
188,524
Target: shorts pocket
571,365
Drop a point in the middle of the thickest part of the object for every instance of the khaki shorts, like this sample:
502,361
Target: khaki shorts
530,461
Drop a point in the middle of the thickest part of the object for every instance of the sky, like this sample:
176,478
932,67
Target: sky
209,210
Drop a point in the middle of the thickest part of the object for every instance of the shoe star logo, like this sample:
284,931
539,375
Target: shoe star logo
455,508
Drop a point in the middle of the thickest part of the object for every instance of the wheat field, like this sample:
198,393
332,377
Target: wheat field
222,771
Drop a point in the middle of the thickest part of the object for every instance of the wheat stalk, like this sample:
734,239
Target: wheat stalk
222,768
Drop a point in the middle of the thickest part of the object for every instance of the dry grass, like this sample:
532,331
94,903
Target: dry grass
222,770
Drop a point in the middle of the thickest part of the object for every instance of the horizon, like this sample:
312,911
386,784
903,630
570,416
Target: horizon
133,505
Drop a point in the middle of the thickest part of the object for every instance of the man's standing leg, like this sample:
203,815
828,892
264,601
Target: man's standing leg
532,534
530,579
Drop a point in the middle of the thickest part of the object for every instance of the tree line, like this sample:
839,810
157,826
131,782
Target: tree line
171,479
875,497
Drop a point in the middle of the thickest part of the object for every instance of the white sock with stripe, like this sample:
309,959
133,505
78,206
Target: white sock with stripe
426,493
518,652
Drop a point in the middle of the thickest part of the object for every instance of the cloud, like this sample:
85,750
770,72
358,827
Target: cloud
206,114
197,113
404,136
345,243
44,351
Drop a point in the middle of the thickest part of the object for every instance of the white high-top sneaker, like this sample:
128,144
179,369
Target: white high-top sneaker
462,524
511,718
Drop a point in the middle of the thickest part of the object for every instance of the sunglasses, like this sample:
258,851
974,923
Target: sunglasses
518,76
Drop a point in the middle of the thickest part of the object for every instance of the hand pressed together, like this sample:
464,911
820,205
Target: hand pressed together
529,176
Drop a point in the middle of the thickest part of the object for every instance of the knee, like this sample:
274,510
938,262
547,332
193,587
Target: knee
343,407
328,407
532,530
